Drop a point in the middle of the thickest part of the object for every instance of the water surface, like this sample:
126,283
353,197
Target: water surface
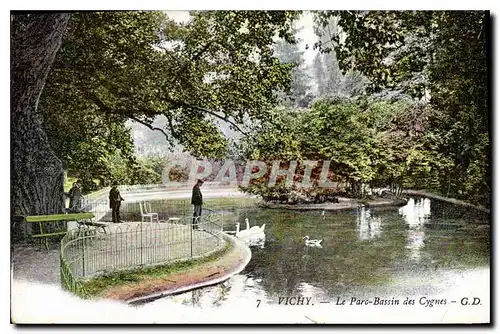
419,248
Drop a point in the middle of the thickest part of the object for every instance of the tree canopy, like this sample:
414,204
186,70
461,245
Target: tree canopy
290,53
436,55
366,140
119,66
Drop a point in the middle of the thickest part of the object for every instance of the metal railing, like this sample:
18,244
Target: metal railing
87,252
130,210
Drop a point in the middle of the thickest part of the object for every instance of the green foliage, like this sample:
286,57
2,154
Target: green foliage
328,76
119,66
441,54
275,139
367,141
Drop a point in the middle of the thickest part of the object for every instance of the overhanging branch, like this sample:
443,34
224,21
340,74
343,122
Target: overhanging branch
154,128
94,98
213,113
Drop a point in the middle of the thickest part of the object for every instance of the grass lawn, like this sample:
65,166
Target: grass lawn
95,286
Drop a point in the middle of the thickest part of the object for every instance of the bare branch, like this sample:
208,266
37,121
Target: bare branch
168,53
213,113
94,98
169,120
225,119
197,55
154,128
105,108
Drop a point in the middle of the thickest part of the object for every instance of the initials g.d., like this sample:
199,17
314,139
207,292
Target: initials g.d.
473,301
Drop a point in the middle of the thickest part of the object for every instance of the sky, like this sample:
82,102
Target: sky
306,34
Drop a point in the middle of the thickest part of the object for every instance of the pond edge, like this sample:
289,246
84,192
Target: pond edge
445,199
352,204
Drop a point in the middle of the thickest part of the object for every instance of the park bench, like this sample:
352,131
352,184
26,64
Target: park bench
84,224
83,220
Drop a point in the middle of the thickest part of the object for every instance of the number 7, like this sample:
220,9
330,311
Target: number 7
258,302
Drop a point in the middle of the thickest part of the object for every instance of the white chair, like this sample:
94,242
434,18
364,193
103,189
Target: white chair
145,212
147,206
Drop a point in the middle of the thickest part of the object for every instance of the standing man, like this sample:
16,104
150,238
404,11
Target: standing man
197,201
115,200
75,197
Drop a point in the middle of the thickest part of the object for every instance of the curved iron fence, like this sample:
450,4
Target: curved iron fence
87,252
130,210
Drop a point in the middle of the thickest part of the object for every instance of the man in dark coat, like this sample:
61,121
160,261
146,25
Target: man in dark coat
197,201
75,198
115,200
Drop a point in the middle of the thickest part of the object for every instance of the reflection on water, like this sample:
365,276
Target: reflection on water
415,242
256,242
368,225
309,290
228,292
416,213
386,250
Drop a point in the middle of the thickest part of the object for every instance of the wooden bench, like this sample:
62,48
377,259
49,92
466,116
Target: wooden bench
85,224
80,218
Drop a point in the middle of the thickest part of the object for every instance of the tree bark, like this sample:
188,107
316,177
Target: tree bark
37,175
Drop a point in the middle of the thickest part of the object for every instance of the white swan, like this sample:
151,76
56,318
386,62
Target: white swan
243,234
250,237
312,242
255,229
249,233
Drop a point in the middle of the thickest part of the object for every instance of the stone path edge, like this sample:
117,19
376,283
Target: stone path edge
204,283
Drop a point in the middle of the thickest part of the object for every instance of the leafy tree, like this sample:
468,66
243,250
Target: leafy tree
220,65
119,66
319,74
331,81
441,55
367,141
277,139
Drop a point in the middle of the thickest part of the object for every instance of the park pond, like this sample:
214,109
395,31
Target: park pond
416,249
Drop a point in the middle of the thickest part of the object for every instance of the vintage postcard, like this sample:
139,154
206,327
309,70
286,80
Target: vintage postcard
250,167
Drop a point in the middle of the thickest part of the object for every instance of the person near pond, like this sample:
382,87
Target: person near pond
75,198
197,201
115,200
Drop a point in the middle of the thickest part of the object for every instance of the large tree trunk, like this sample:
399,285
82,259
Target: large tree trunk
36,173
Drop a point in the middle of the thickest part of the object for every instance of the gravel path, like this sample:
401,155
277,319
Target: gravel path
35,264
182,193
